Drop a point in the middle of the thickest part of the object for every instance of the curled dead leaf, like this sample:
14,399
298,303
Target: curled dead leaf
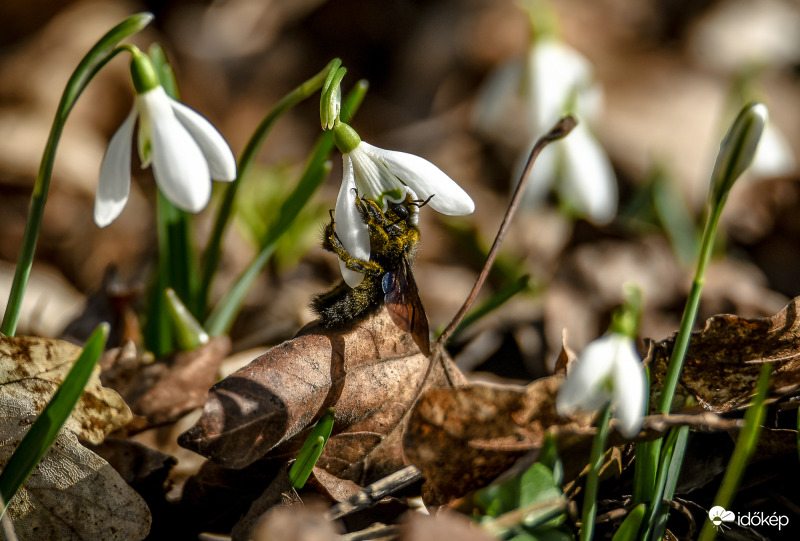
491,426
724,359
370,373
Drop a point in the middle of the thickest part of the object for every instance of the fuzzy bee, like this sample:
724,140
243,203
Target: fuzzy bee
394,239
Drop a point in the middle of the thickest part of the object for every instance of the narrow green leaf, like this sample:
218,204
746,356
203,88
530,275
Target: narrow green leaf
629,529
311,450
46,427
188,331
213,251
223,315
743,451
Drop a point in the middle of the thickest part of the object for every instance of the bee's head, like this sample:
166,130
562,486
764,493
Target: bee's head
401,215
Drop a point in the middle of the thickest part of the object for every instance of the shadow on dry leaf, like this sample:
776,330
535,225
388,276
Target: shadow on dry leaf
72,493
369,374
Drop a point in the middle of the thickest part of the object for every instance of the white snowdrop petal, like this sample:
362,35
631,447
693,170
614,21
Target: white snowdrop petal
350,228
588,179
773,156
179,166
426,180
555,71
115,174
630,389
586,384
221,162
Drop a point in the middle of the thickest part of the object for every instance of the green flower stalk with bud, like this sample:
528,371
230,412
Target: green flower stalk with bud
185,150
97,57
735,156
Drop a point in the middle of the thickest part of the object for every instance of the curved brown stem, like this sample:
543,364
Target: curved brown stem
560,130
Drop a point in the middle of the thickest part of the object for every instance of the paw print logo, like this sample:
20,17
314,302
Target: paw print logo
719,515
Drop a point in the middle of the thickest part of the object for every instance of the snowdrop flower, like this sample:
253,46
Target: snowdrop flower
607,371
185,150
382,176
560,81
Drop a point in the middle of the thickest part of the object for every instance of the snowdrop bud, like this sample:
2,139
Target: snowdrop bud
737,150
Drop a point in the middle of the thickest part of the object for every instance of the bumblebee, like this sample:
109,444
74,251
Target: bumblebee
394,239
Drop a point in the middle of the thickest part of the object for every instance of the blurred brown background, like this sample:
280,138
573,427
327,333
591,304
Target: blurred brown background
666,67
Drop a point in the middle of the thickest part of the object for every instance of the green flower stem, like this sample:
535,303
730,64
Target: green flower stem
213,251
44,430
743,451
690,311
223,315
97,57
660,484
177,259
593,476
654,459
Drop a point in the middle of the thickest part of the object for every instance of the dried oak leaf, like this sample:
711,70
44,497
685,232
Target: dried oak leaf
463,438
73,493
370,373
724,359
165,390
31,369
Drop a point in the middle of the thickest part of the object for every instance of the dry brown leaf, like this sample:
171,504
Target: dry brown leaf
338,490
216,498
369,373
490,426
164,391
31,369
73,493
724,359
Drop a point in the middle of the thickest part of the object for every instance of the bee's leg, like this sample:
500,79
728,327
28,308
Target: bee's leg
333,244
372,213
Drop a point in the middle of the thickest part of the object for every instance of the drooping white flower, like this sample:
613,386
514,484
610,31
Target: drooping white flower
560,81
382,176
185,150
608,370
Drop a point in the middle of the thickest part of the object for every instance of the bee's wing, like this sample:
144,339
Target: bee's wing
405,307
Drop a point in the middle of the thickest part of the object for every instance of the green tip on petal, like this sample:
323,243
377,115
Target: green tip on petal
737,150
345,137
188,332
143,73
